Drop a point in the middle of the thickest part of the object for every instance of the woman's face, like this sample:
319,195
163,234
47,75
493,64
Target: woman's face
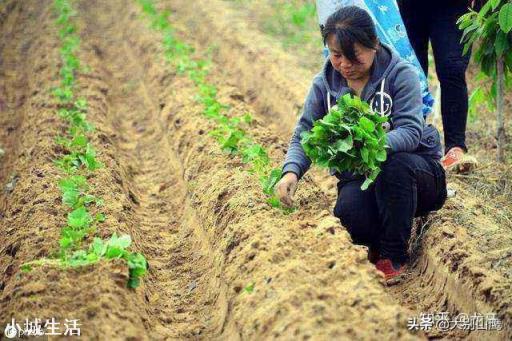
349,70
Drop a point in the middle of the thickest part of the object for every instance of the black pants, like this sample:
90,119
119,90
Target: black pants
409,185
436,21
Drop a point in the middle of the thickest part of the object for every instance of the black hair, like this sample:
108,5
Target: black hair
351,24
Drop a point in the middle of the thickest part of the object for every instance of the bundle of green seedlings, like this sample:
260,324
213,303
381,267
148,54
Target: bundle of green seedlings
349,138
78,161
231,133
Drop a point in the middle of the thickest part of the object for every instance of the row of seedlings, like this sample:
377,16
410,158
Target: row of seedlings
231,133
78,244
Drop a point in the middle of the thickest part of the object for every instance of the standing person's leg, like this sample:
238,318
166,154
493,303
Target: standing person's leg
408,184
357,211
415,15
451,68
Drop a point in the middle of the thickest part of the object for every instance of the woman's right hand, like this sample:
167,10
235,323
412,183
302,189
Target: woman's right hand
286,188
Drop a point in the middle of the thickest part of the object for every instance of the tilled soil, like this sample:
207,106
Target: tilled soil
195,212
462,258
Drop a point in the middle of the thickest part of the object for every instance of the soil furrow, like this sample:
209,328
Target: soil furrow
183,285
13,85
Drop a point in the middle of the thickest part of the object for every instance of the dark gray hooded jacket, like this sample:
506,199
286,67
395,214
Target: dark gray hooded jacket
393,89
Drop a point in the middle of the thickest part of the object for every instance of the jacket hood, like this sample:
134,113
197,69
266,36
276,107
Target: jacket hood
385,59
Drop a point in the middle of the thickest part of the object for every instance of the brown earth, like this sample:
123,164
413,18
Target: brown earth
464,260
195,212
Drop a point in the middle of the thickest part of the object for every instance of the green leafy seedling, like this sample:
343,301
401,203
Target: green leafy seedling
250,288
349,138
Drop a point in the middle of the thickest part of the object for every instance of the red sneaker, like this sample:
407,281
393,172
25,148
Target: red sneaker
392,273
373,255
458,161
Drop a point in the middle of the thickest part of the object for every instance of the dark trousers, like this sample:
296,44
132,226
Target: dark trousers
409,185
436,21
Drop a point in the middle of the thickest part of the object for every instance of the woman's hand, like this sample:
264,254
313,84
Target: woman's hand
286,187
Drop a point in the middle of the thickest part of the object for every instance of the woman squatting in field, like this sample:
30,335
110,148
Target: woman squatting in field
412,180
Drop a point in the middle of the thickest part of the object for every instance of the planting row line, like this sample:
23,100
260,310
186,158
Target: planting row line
231,133
78,244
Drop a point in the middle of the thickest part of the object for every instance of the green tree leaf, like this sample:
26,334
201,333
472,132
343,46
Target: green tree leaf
505,18
485,9
501,44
